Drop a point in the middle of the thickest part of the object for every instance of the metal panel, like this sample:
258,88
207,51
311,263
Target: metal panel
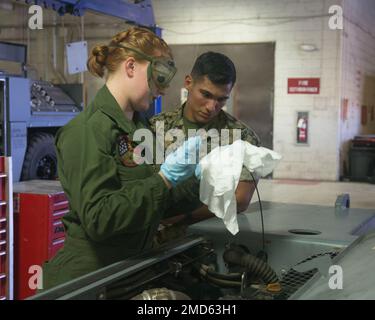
254,89
357,263
76,54
3,118
18,145
46,97
19,99
13,52
50,119
74,91
279,218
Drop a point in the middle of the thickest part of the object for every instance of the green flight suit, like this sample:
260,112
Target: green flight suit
115,205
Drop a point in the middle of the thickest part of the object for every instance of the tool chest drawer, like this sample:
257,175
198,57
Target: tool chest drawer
39,232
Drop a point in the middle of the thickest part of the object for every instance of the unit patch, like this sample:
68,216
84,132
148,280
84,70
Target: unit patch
126,150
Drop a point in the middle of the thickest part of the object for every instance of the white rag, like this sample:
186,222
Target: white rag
220,174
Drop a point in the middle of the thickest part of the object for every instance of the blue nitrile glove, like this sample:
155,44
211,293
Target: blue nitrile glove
181,164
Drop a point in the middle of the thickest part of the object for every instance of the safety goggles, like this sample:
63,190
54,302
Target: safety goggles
160,72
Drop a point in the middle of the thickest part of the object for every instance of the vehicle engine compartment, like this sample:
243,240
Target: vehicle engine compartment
300,243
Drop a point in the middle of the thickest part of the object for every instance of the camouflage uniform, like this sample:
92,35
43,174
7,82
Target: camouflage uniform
185,197
175,120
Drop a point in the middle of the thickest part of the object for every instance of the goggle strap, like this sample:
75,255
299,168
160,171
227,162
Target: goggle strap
143,55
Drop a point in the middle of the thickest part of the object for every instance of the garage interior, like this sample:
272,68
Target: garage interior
305,85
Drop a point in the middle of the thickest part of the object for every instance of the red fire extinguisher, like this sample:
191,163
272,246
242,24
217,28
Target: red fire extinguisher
302,130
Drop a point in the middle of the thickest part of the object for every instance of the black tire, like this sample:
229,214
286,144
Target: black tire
40,159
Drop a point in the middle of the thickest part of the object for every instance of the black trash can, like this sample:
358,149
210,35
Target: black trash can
362,159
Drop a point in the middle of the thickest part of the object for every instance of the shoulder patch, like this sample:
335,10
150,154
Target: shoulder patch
126,150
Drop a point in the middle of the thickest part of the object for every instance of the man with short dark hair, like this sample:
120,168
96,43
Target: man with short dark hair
209,86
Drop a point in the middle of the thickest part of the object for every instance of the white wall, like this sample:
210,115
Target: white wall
358,67
223,21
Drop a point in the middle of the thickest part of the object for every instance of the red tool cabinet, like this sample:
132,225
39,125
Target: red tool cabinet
6,229
39,206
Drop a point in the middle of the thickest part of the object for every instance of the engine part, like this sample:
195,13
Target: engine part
46,97
96,284
257,268
161,294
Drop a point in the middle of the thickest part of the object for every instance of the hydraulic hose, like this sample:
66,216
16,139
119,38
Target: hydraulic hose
223,280
223,283
204,269
255,266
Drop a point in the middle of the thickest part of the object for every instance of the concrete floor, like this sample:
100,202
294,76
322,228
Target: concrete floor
362,195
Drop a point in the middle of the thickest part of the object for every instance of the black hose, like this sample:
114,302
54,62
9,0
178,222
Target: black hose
228,276
222,281
207,271
255,266
261,217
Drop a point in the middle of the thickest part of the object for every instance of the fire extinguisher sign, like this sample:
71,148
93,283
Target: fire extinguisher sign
303,85
302,127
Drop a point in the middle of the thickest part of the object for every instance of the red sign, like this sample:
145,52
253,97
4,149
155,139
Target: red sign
304,85
344,109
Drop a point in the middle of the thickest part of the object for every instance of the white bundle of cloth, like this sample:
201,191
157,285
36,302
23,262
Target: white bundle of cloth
220,174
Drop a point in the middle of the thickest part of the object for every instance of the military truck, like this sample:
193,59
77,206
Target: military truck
31,111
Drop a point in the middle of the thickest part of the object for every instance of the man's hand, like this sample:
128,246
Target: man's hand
244,194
